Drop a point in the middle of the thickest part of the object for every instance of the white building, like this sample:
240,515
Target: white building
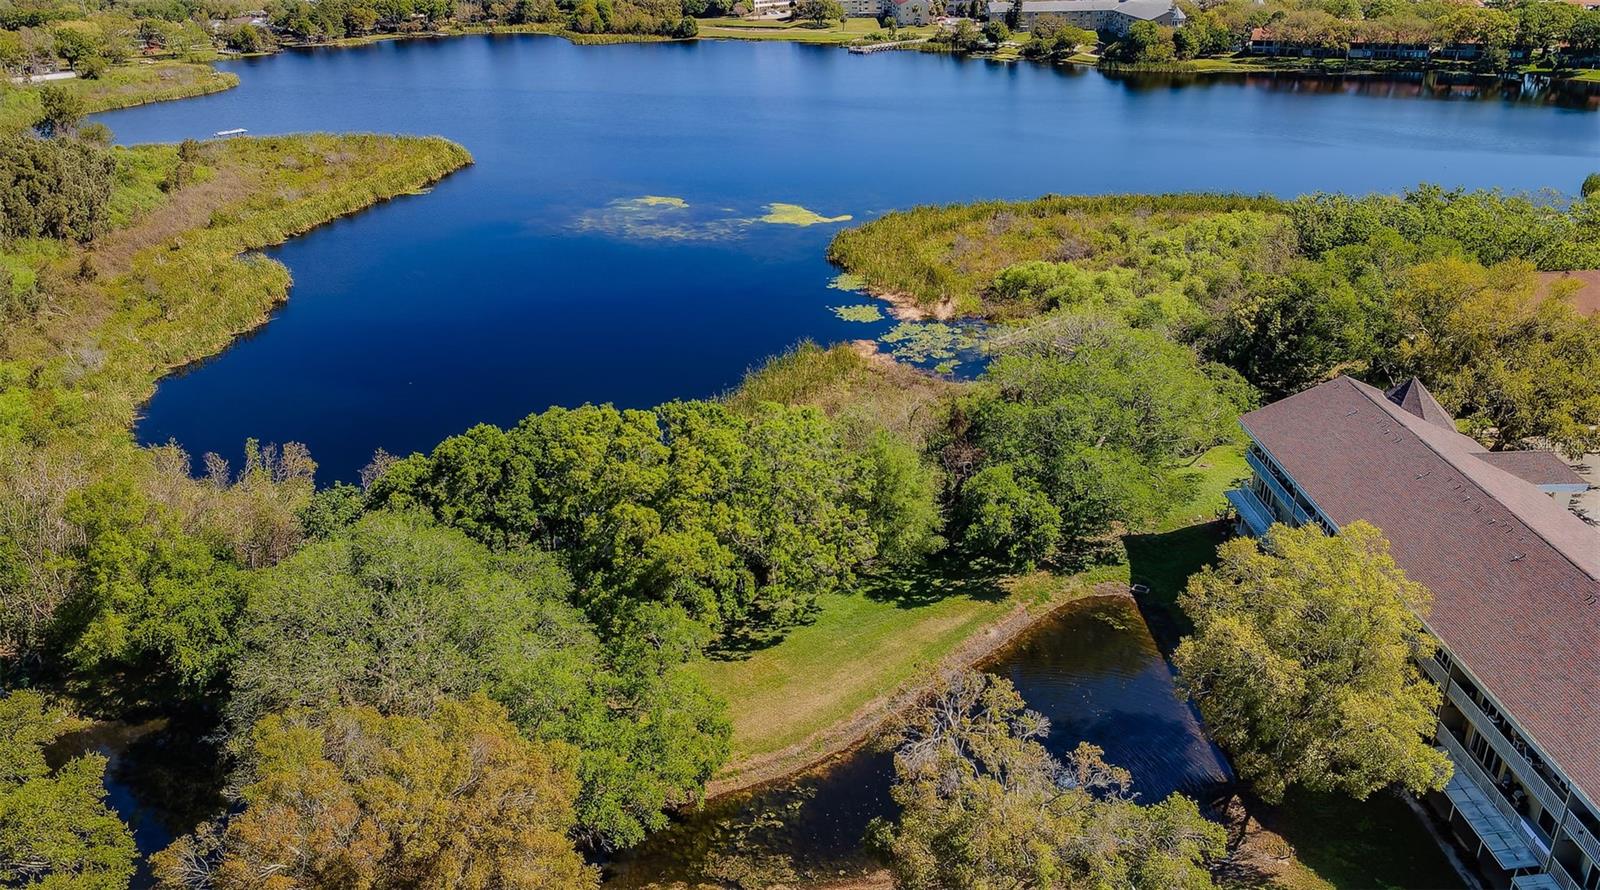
1105,16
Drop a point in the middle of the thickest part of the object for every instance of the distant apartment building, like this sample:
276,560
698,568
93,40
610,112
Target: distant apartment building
1113,17
904,12
1515,578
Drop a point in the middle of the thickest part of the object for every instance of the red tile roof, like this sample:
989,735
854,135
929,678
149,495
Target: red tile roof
1515,576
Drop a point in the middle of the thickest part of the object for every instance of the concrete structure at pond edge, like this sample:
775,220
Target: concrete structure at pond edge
1105,16
1515,578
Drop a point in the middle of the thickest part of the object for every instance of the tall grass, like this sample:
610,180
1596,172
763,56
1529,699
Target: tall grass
98,354
120,87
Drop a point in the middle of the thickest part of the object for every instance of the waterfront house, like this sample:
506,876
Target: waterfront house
1112,17
1515,578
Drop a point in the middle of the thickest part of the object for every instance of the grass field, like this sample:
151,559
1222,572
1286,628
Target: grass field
120,87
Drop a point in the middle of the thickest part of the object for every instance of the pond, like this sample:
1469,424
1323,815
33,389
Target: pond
1092,668
617,239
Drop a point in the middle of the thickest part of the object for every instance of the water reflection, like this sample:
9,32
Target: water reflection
1448,85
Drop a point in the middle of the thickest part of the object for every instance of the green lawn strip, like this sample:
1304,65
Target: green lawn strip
119,87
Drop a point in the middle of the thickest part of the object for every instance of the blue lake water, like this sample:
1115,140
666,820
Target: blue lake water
529,280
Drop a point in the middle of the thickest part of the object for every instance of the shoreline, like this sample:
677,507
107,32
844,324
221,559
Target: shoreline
847,736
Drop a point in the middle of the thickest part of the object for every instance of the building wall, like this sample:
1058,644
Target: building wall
1528,791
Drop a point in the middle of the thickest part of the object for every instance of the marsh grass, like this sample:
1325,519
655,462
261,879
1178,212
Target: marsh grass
938,253
119,87
186,291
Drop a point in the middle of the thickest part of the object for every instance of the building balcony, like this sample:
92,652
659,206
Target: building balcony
1255,514
1435,671
1583,837
1497,824
1270,477
1551,880
1548,797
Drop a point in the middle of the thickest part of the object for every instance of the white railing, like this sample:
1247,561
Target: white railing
1267,475
1475,773
1434,670
1535,783
1583,837
1559,873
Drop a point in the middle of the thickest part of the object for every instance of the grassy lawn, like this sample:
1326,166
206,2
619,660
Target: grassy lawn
864,648
120,87
800,32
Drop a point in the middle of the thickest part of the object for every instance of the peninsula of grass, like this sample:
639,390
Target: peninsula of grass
941,258
176,279
120,87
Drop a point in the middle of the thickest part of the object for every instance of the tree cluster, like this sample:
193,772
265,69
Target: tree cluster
984,804
741,521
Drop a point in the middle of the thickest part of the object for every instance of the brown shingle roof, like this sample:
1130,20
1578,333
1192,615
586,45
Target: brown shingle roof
1586,299
1537,467
1515,577
1414,397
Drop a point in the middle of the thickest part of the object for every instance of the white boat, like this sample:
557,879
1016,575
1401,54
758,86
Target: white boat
236,131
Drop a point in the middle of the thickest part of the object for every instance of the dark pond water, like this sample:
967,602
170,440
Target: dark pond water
537,277
1093,669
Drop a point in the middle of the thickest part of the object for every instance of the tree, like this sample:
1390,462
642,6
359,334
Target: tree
740,520
1089,415
354,798
54,188
984,805
55,828
61,110
996,32
1512,367
155,606
1591,185
1146,43
1013,19
399,615
1303,663
819,11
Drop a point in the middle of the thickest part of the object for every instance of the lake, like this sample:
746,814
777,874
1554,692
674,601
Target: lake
609,244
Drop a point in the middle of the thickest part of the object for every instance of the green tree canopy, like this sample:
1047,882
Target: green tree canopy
1303,663
56,832
1088,416
354,798
984,805
398,614
740,520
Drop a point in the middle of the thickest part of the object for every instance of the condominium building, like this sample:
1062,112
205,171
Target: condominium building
1515,578
1112,17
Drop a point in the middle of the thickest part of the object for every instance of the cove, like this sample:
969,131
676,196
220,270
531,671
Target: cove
612,242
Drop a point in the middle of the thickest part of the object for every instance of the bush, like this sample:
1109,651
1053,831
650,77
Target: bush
53,188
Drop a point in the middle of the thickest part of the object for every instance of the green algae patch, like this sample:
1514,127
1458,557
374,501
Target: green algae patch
795,215
848,281
865,312
660,201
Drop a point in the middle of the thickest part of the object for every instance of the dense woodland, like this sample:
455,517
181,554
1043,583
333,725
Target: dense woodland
472,669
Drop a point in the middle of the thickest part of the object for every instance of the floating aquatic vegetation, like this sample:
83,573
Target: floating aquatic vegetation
660,217
864,312
847,281
795,215
921,342
672,218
